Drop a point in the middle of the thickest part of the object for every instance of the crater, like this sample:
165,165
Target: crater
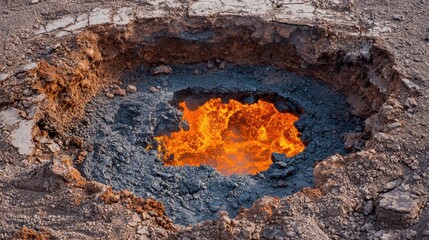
327,84
123,132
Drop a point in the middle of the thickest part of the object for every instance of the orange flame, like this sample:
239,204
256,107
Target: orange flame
232,137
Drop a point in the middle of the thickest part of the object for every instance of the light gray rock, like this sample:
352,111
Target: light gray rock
59,23
29,66
123,16
398,17
81,22
10,116
392,184
132,224
3,76
136,218
410,85
54,148
143,231
399,207
100,16
22,137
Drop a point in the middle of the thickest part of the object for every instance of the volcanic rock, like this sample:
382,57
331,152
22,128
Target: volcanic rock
398,207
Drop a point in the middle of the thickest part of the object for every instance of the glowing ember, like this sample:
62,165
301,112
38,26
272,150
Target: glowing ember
232,137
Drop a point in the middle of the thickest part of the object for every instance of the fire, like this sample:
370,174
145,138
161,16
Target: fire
233,137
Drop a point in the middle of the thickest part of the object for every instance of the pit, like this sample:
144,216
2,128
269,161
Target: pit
209,115
150,142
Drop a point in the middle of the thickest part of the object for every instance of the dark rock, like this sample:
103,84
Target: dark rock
214,206
193,185
282,173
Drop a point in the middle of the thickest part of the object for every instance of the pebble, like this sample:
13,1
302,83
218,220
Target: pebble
145,216
398,17
136,218
131,89
162,70
382,136
152,213
82,155
26,103
223,213
394,125
132,224
392,184
54,147
143,231
416,177
34,1
248,229
31,111
368,226
27,92
3,76
411,102
153,89
120,92
225,219
222,65
410,85
210,65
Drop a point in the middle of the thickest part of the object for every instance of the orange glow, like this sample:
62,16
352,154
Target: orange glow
232,137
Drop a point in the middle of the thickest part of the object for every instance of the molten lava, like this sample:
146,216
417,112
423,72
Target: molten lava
233,137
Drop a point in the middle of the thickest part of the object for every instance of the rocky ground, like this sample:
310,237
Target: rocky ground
379,192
